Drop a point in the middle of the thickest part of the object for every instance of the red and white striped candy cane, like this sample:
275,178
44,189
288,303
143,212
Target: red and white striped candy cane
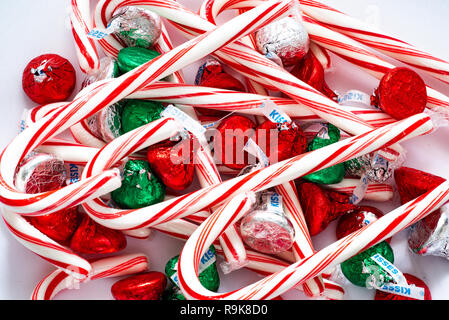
322,55
46,248
279,282
376,39
249,103
103,95
86,50
110,267
258,180
379,192
353,52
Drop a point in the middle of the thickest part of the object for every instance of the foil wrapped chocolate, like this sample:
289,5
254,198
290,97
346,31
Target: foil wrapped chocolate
133,57
105,124
136,27
327,135
285,39
207,273
39,173
374,166
266,229
137,113
430,236
140,186
108,70
363,271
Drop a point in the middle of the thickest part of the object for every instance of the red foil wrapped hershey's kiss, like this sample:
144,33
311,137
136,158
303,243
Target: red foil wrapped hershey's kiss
310,71
429,236
91,237
321,206
211,74
40,173
280,144
232,135
412,183
59,225
170,163
49,78
401,93
411,280
356,220
145,286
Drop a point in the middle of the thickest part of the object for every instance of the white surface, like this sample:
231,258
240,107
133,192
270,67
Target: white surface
30,28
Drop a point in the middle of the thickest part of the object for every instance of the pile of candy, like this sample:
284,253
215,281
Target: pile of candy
151,152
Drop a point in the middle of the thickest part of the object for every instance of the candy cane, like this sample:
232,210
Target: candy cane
85,47
290,276
258,180
117,266
107,93
379,192
353,52
322,55
374,38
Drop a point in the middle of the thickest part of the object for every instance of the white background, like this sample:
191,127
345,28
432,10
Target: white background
29,28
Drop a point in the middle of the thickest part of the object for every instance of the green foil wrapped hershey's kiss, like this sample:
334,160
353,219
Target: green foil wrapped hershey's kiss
132,57
137,113
328,135
353,268
140,187
208,273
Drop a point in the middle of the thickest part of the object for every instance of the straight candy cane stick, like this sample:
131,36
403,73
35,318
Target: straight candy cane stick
86,50
379,192
376,39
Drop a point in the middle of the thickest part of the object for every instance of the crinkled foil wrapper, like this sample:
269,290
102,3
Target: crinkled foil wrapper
430,236
266,230
285,38
108,70
376,168
136,27
104,124
40,172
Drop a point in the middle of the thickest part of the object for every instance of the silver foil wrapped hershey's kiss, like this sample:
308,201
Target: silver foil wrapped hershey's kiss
374,166
105,124
266,229
108,70
285,39
40,172
430,236
136,27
